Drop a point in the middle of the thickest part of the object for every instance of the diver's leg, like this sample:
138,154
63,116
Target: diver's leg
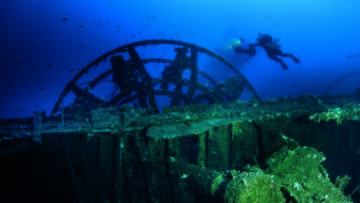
296,60
283,65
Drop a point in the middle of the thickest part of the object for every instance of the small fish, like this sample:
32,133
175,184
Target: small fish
42,88
50,64
80,26
109,3
353,56
64,19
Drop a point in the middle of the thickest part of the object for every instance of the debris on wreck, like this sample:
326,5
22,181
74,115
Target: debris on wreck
229,152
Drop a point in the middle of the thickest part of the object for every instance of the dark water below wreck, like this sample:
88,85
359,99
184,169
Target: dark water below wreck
77,56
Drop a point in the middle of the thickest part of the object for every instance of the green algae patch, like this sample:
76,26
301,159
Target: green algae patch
253,187
350,111
303,177
293,176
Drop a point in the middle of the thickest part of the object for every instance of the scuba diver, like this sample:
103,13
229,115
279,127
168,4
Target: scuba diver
271,47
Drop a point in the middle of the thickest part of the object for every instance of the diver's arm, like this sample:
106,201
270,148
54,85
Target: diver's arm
239,49
251,50
254,45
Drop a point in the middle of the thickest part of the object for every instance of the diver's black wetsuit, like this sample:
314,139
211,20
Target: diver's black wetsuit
271,47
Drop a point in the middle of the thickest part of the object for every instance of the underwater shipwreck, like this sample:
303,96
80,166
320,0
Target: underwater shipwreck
205,145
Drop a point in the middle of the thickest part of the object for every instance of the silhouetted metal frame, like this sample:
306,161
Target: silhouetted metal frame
71,86
340,79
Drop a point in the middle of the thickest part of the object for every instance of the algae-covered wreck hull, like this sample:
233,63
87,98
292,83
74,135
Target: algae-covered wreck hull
258,151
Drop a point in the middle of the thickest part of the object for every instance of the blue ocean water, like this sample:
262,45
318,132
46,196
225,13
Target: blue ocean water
44,44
